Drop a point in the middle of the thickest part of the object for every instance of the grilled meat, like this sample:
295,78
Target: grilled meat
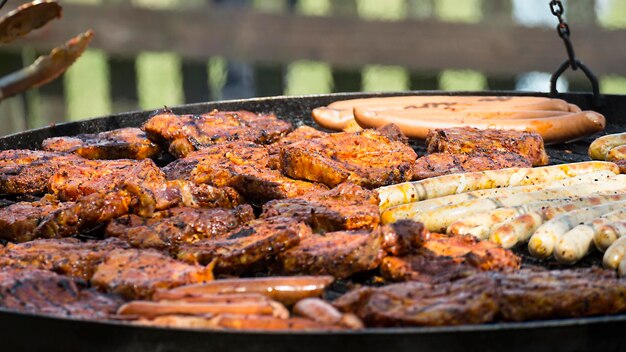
139,273
169,228
241,165
66,256
44,292
143,184
365,158
393,133
345,207
530,295
123,143
425,267
468,140
28,171
483,255
340,254
472,300
247,248
438,164
186,133
299,134
403,237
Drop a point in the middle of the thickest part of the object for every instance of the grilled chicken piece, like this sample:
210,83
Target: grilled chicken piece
167,229
44,292
468,140
425,267
241,165
247,248
299,134
28,171
439,164
123,143
66,256
340,254
139,273
472,300
49,218
365,158
186,133
483,255
530,295
345,207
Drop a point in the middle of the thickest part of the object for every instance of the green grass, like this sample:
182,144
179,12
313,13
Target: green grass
378,78
87,86
462,80
308,77
159,80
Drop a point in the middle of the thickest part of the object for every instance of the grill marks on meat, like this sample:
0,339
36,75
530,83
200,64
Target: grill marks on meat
530,295
68,256
365,158
468,140
249,248
166,230
468,301
44,292
28,171
123,143
339,254
186,133
345,207
243,166
425,267
136,273
299,134
490,296
439,164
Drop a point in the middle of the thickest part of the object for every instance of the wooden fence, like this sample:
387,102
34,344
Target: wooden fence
196,50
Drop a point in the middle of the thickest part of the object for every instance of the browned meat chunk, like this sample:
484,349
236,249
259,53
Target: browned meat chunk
67,256
483,255
403,237
365,158
438,164
28,171
248,248
169,228
139,273
468,140
530,295
339,254
299,134
393,133
143,183
44,292
425,267
186,133
243,166
345,207
472,300
123,143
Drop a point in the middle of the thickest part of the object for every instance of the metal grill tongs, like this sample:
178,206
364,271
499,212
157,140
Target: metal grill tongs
21,21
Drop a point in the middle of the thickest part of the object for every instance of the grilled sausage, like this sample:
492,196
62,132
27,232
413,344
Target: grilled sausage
600,148
615,254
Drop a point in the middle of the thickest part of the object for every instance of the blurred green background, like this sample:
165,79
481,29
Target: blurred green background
103,82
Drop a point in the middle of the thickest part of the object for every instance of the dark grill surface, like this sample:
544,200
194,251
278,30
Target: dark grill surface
585,334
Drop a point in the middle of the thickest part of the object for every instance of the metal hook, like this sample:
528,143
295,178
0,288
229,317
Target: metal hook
597,97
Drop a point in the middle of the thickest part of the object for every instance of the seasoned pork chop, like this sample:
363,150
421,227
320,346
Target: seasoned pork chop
340,254
425,267
168,229
438,164
243,166
365,158
44,292
186,133
139,273
345,207
299,134
248,248
468,140
472,300
28,171
123,143
66,256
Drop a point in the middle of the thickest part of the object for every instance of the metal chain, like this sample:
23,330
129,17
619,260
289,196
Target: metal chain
3,3
557,9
